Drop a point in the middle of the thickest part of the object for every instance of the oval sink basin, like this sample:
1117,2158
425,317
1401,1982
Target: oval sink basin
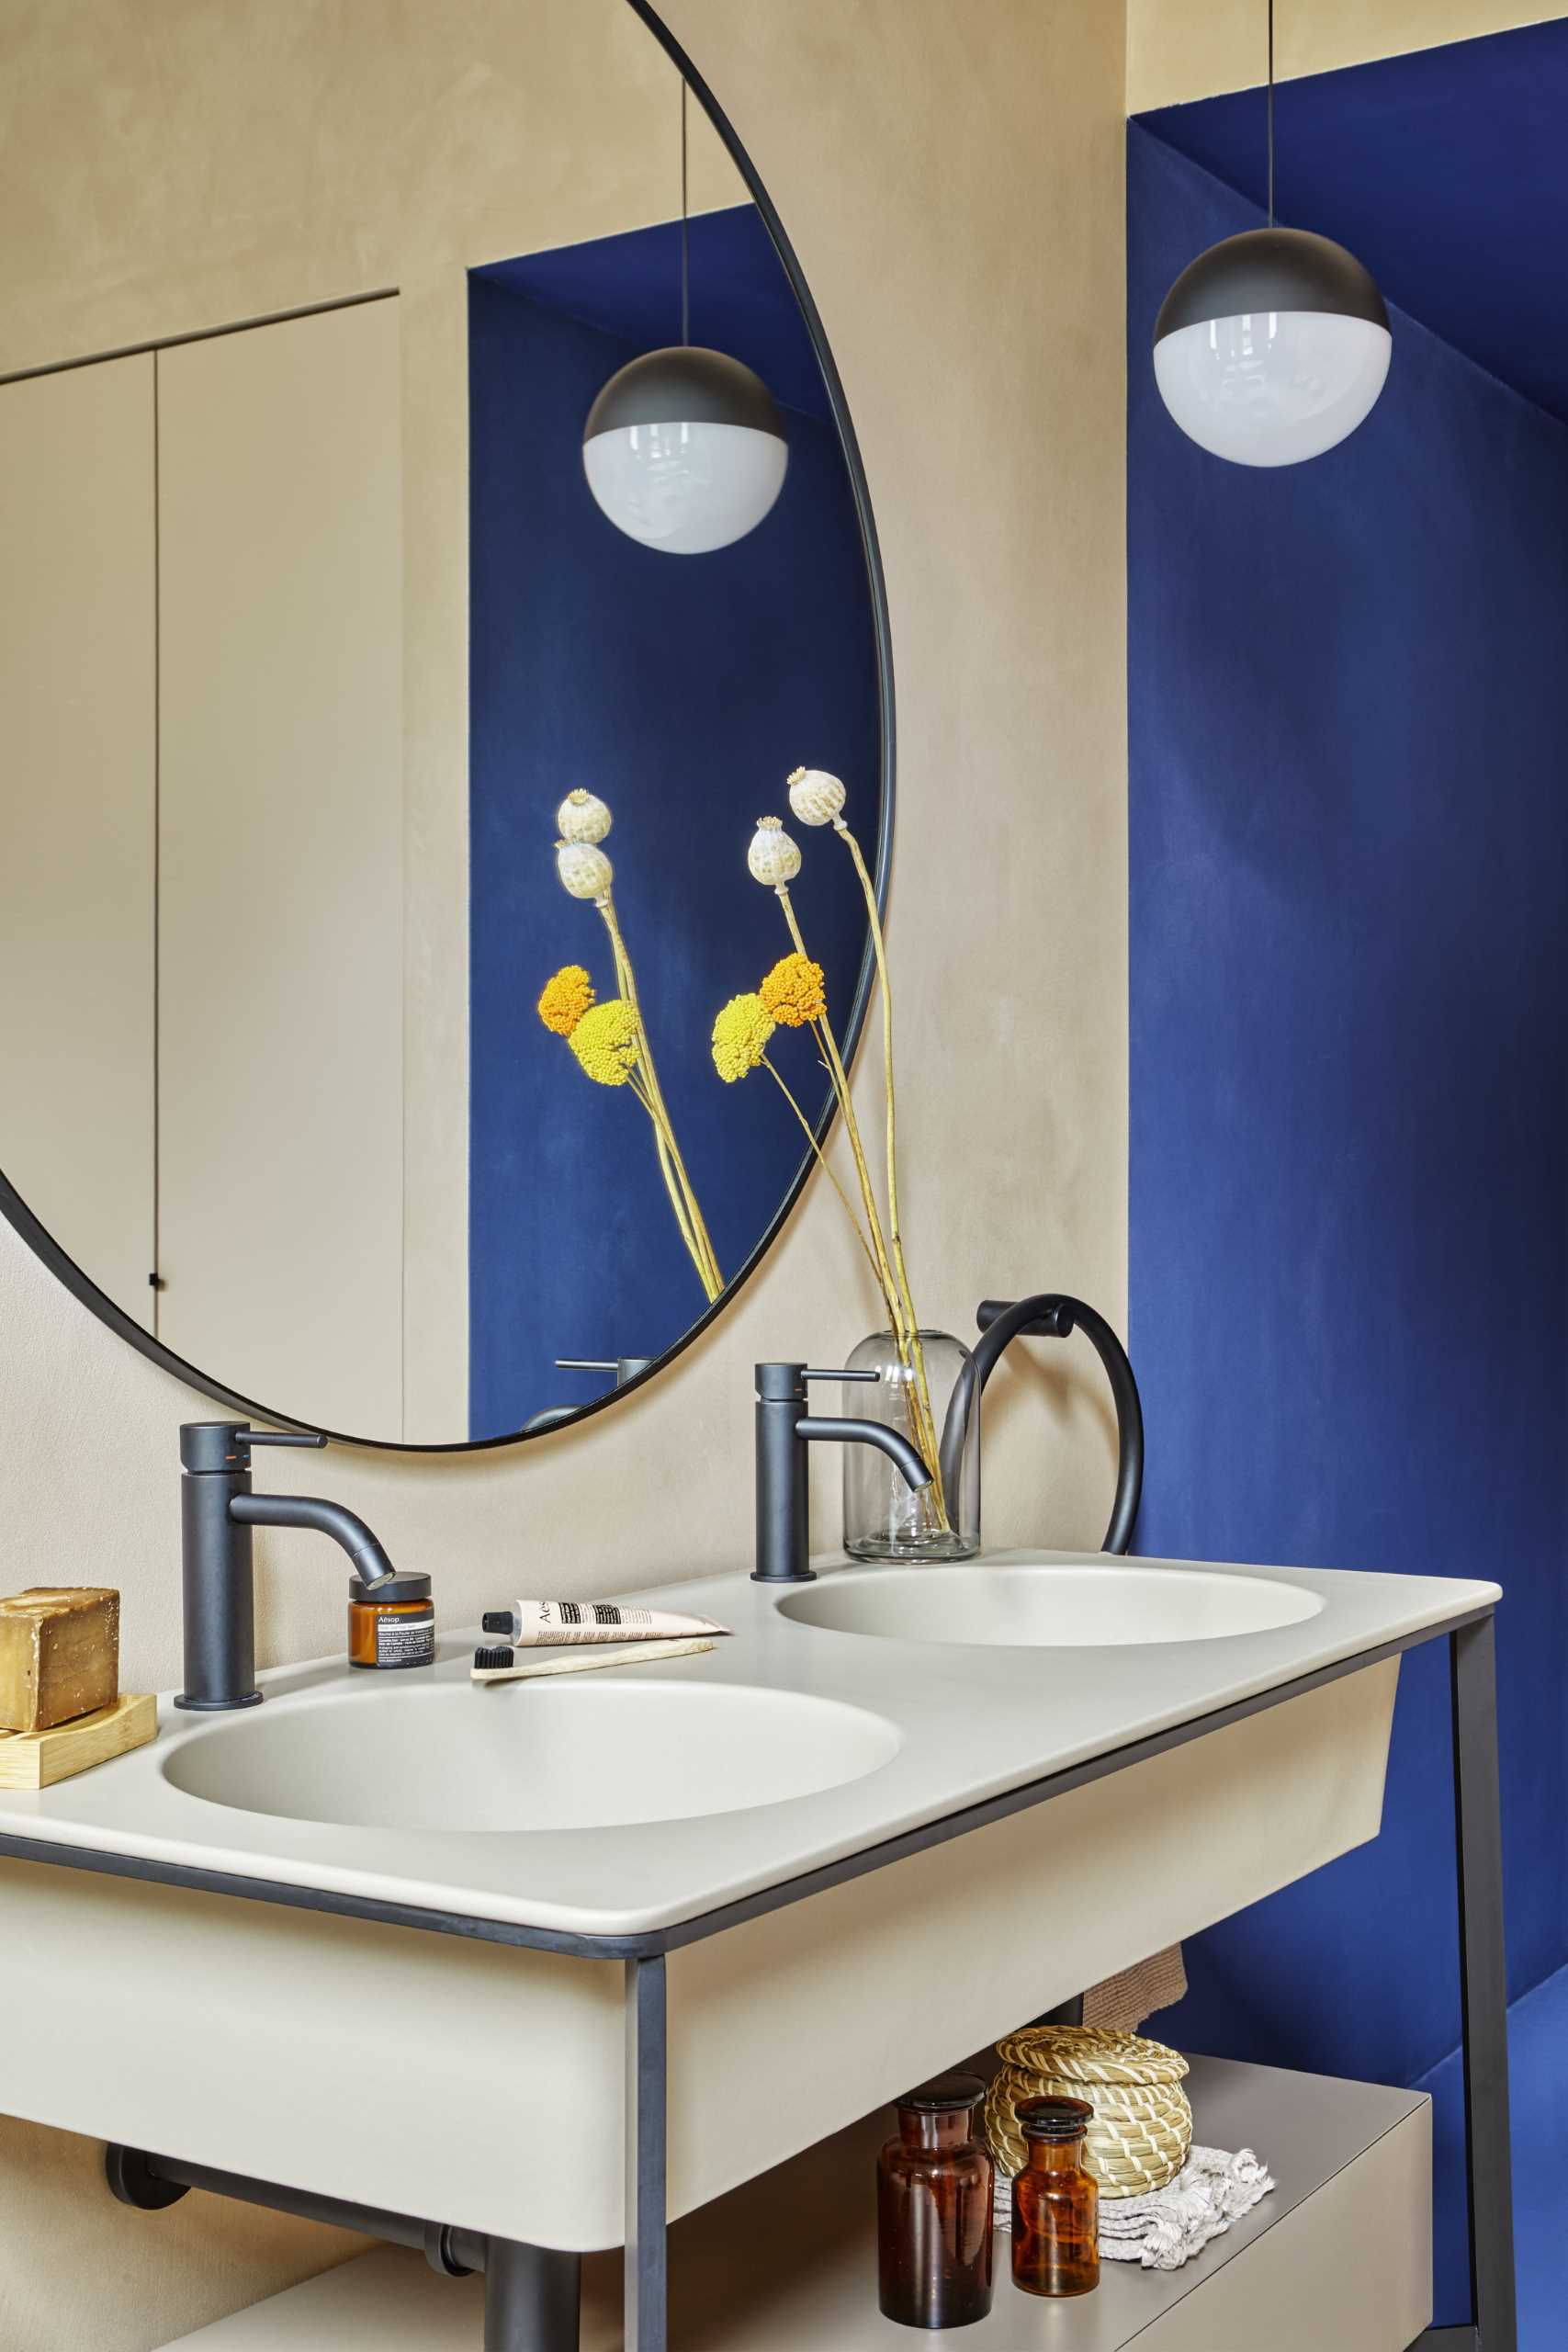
1049,1607
530,1756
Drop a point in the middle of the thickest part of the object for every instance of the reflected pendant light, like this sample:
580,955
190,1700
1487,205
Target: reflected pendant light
1273,345
684,449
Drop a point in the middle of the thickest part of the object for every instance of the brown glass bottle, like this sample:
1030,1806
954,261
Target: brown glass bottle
1056,2202
933,2208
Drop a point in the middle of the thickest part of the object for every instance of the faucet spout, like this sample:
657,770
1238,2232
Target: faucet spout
892,1442
371,1564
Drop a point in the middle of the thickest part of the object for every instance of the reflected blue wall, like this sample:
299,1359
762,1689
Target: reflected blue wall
683,691
1348,709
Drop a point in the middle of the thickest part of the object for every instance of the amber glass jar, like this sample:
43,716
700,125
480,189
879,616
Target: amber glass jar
933,2208
392,1626
1056,2201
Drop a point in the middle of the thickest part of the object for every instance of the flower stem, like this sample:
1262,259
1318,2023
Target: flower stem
823,1162
694,1232
840,1084
677,1201
906,1331
895,1231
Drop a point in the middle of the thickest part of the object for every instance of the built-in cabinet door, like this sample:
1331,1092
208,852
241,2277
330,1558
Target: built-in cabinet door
280,843
78,770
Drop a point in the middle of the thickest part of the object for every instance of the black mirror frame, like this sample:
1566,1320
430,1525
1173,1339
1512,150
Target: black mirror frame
83,1288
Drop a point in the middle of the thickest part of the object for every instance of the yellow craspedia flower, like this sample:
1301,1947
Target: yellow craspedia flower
605,1042
793,992
740,1036
566,998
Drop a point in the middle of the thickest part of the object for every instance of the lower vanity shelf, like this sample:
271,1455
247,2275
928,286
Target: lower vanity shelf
1338,2259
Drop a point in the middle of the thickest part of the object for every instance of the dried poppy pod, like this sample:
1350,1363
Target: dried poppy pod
585,872
582,817
772,856
815,797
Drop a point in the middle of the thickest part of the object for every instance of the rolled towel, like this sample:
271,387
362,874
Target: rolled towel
1166,2228
1123,2001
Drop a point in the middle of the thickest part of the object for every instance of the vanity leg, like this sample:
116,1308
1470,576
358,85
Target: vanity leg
1484,2000
647,2285
1483,1984
533,2296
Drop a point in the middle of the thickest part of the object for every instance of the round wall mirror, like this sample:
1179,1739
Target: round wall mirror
379,757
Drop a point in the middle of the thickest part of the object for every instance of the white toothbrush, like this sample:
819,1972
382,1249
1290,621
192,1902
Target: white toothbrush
505,1664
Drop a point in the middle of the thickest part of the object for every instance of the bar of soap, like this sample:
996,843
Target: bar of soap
59,1655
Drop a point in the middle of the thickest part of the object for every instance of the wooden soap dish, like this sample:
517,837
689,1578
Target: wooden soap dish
36,1759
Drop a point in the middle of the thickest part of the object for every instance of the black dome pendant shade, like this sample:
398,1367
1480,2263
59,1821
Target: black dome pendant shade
1271,270
684,384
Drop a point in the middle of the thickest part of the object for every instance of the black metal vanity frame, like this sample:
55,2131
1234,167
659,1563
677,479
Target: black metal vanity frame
531,2293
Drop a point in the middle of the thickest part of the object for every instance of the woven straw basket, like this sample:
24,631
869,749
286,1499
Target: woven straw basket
1142,2124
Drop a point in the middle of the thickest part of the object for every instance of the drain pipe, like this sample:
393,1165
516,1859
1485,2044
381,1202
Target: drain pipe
532,2293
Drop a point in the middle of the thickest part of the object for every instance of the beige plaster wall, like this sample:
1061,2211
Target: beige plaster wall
904,141
1179,49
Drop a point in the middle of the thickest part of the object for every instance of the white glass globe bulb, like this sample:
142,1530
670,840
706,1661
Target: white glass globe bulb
685,488
1271,388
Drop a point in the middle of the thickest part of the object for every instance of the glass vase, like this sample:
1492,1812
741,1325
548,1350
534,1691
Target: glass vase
884,1520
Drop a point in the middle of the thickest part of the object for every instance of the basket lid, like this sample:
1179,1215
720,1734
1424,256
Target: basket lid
1093,2053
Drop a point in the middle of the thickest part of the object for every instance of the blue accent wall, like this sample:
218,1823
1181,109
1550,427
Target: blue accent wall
683,690
1348,713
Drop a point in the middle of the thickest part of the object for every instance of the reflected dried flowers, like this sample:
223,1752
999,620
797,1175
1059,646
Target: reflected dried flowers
741,1036
564,997
605,1042
610,1040
794,993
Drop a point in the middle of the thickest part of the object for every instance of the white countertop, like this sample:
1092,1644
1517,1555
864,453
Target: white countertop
972,1722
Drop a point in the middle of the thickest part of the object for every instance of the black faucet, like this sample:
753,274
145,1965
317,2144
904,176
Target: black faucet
784,1430
218,1511
1052,1314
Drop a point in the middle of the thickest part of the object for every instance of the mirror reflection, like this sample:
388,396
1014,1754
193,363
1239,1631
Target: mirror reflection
390,685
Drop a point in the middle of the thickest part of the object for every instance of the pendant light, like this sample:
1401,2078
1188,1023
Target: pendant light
684,449
1274,345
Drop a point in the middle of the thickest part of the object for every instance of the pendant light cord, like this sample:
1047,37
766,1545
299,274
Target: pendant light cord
1270,113
685,227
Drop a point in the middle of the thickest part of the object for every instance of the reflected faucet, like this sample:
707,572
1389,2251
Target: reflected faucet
218,1511
624,1367
784,1430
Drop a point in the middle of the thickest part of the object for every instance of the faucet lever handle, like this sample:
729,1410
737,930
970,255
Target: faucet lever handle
226,1446
784,1384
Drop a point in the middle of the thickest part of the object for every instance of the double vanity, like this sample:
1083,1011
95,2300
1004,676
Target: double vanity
393,933
551,1965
